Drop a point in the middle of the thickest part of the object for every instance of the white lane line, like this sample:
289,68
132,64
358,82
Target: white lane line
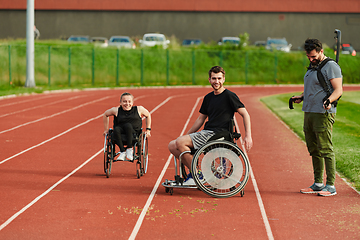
12,218
258,196
24,101
39,106
56,114
156,186
50,139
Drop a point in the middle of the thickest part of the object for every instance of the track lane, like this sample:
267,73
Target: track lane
85,206
67,164
179,216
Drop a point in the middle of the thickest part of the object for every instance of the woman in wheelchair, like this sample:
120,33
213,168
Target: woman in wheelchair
127,124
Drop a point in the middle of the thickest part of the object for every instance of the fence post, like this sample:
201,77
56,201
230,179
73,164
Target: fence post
10,80
275,70
246,66
167,67
221,58
93,67
117,66
69,79
49,66
193,67
305,64
142,67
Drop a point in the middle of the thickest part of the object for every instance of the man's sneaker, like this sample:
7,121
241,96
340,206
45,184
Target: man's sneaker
327,191
189,181
312,189
122,156
129,153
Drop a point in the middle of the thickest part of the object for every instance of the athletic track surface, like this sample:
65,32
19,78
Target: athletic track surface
53,186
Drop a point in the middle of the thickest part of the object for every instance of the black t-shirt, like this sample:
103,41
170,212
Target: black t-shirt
131,116
220,109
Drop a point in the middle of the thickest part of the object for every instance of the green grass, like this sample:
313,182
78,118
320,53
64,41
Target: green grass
346,131
83,66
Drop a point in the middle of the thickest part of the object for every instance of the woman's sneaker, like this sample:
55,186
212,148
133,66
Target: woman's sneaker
312,189
327,191
122,156
129,154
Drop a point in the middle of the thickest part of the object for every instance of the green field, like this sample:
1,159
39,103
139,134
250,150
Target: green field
60,65
346,131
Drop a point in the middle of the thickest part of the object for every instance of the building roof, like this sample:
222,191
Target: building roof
302,6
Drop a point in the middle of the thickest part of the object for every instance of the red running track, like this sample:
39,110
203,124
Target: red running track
52,183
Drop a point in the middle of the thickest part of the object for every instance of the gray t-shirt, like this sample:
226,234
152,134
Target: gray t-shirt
314,92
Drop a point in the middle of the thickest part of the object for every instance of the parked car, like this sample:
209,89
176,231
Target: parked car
279,44
260,43
346,48
99,41
191,42
235,41
154,39
81,39
122,42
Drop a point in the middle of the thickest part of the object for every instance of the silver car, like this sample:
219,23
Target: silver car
278,43
99,41
79,39
121,42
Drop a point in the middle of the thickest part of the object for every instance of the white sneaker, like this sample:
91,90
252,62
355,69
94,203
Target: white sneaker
189,181
129,154
122,156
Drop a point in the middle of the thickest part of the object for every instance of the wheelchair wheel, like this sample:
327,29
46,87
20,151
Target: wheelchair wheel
222,169
144,157
108,157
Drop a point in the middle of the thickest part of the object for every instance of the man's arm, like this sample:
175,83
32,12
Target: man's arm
338,90
247,125
107,113
198,123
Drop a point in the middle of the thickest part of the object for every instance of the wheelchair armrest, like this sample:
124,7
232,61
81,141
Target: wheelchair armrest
236,135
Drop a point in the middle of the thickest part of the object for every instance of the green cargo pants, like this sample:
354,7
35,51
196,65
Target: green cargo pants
318,136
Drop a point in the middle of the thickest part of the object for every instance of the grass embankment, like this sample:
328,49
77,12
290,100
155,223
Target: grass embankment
59,64
346,131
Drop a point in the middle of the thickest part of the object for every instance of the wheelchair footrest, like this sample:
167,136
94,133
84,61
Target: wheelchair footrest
174,184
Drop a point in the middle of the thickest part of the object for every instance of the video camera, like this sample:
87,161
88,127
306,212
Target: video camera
292,100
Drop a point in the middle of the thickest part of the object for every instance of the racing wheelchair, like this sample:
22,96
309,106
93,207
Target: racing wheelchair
219,168
140,152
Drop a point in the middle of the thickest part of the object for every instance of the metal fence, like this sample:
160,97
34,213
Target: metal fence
94,66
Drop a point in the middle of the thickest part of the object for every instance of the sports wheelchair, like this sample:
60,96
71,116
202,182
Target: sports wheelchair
140,147
219,168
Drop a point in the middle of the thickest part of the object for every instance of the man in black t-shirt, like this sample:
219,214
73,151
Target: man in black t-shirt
219,107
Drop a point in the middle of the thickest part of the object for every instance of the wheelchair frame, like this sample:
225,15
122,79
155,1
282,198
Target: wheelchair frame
222,168
140,151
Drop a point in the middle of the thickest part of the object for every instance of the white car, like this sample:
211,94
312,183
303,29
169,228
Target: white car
154,39
278,43
122,42
234,41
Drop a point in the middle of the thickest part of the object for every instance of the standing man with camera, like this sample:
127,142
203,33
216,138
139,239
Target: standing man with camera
319,109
